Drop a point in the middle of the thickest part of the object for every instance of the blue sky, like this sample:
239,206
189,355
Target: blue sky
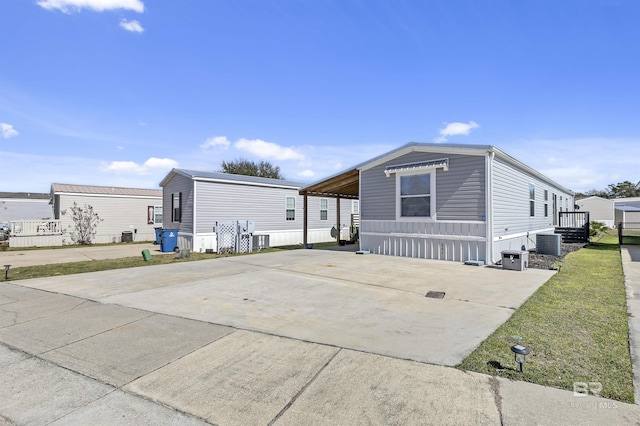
117,92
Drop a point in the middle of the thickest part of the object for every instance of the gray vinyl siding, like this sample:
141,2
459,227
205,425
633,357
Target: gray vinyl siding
460,191
119,214
178,183
264,205
511,213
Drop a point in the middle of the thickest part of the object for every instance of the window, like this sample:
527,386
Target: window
324,205
154,215
532,200
355,206
415,195
546,203
561,204
176,207
290,208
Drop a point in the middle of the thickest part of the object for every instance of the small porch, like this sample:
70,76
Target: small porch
573,226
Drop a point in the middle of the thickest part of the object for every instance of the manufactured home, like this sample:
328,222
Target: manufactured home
126,213
195,202
449,202
24,206
600,209
612,211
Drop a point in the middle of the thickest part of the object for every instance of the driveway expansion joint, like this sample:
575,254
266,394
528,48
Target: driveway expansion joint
304,388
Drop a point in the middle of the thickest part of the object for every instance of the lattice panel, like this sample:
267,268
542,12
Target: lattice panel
226,234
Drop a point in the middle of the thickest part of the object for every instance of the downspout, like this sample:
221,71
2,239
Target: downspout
305,223
193,225
489,208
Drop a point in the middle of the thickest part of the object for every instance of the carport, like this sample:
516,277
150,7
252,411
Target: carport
343,185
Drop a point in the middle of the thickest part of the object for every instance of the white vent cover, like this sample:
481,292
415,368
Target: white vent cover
549,244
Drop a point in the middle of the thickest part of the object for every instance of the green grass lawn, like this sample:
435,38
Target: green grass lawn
57,269
575,326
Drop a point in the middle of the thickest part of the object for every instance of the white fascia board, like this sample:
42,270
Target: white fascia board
84,194
444,149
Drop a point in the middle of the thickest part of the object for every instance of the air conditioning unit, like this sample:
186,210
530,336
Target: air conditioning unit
549,244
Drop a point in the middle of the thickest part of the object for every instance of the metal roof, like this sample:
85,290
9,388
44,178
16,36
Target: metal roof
232,178
57,188
25,195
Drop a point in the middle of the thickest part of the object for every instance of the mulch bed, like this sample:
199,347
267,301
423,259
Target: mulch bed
547,261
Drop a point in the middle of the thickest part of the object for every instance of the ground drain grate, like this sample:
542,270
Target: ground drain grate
435,294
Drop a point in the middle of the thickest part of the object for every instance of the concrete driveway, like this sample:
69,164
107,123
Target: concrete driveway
284,338
370,303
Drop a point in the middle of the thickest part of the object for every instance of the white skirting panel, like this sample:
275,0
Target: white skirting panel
423,247
452,241
35,241
204,241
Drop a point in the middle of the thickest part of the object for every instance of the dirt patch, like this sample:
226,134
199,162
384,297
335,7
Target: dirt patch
548,261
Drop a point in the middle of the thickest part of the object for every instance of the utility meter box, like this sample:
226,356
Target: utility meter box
515,260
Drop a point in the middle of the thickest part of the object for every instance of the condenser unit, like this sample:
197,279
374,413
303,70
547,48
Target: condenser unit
549,244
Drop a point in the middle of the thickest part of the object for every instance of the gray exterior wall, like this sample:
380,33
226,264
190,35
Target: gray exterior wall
119,214
460,194
184,185
513,226
264,205
459,231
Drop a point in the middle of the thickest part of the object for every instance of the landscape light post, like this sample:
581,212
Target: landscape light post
521,353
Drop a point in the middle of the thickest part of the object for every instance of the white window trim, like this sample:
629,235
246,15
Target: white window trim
326,209
286,208
532,185
432,183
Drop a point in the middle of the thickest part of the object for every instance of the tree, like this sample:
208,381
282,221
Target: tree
85,222
250,168
623,190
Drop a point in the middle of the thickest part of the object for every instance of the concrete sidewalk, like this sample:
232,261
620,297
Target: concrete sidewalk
631,267
65,360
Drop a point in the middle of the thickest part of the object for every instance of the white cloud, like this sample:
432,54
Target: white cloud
263,149
131,167
131,26
307,173
160,163
454,129
7,131
70,6
216,141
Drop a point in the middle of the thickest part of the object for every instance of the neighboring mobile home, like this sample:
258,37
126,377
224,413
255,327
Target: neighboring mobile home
600,209
612,211
122,210
24,206
449,202
194,201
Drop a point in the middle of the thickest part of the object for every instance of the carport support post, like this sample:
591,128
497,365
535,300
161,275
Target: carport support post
304,220
339,226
